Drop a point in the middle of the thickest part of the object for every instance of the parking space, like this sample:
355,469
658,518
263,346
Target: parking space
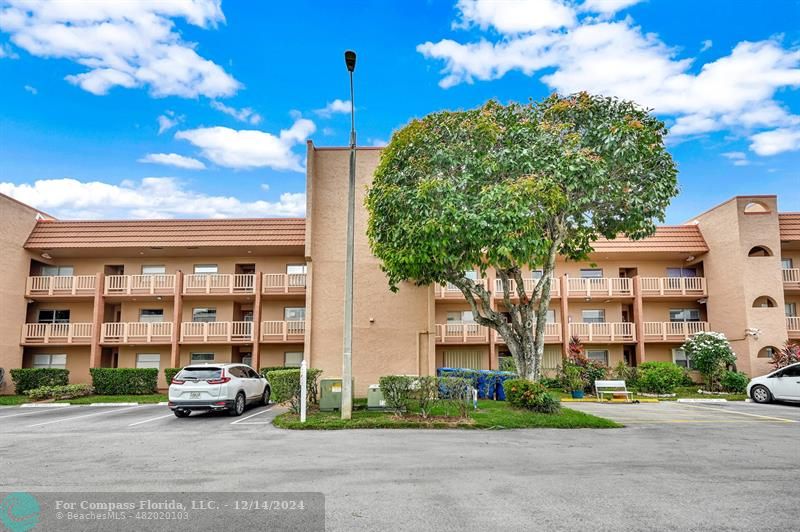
701,414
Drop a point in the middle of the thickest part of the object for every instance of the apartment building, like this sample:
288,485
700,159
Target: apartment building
269,292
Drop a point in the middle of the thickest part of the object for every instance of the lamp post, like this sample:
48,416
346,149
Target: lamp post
347,351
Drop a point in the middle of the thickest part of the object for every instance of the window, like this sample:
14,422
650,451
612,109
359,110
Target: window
247,358
551,316
679,358
154,269
471,274
204,314
537,274
460,316
792,371
50,361
593,316
202,357
756,207
238,372
786,264
681,272
764,302
148,360
53,316
292,359
296,269
790,309
294,313
151,315
767,352
759,251
205,268
591,273
598,355
247,315
684,314
462,359
57,270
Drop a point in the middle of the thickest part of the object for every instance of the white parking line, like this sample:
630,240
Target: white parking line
253,415
83,416
34,412
740,413
151,419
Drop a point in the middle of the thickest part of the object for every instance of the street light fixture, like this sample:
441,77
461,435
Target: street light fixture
347,351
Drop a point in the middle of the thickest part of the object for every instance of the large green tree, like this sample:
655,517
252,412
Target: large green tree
514,186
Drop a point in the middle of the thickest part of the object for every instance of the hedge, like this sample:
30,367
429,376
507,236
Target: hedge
530,396
659,377
285,386
69,391
267,369
169,373
124,381
29,378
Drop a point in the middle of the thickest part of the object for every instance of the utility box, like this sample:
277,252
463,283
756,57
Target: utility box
375,400
330,394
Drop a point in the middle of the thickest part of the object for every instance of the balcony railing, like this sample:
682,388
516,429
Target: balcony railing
57,333
791,278
283,331
216,331
461,333
450,291
137,285
60,285
793,326
137,332
600,286
219,283
283,283
603,332
552,334
529,283
677,331
673,286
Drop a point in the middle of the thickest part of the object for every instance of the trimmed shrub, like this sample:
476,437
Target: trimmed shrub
659,377
734,382
396,390
456,392
424,394
68,391
285,386
169,374
29,378
532,396
124,381
267,369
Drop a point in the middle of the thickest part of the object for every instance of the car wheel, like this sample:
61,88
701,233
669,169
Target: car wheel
761,394
265,396
238,405
181,413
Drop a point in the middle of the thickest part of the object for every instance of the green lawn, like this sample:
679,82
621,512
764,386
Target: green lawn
685,392
10,400
490,415
89,399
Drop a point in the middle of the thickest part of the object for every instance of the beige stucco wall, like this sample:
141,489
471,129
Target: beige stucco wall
77,360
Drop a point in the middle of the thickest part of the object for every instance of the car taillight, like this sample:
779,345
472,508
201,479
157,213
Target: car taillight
176,381
221,380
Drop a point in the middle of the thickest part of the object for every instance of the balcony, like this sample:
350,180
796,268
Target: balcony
603,332
600,287
216,332
137,332
552,334
283,283
450,291
219,284
56,333
529,283
140,285
672,331
61,285
791,278
283,331
673,286
793,327
461,333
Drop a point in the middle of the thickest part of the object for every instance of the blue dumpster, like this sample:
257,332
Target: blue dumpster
502,376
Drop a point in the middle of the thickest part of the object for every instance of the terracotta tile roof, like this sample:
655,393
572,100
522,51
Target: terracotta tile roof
168,233
667,238
789,224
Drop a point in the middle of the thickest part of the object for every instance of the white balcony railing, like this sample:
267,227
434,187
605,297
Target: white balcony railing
135,285
600,286
461,333
791,278
137,332
283,331
603,332
793,326
217,331
678,331
283,283
450,291
57,333
552,334
219,283
60,285
673,286
529,283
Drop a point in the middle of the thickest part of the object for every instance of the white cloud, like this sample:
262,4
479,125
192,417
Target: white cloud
7,53
244,114
265,187
250,148
173,159
168,120
707,44
378,143
336,106
776,141
738,158
515,17
127,44
152,197
607,7
30,88
617,58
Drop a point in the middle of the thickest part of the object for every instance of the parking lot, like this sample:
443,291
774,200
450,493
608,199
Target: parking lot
675,466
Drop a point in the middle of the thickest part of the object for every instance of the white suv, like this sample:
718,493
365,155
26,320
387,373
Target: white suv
217,387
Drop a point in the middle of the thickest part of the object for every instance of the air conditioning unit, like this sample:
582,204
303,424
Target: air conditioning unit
375,400
330,394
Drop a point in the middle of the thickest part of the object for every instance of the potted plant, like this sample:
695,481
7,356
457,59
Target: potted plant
574,381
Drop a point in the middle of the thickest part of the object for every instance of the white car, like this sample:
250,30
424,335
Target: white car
217,387
782,385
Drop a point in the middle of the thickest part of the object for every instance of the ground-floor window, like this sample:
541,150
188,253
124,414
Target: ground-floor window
680,358
148,360
598,355
247,358
202,357
462,359
50,361
292,359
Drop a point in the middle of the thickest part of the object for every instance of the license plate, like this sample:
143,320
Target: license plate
194,395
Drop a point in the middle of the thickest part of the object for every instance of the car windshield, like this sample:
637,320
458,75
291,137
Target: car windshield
199,374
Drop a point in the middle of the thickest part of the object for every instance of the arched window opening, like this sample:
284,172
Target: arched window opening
767,352
759,251
756,207
764,302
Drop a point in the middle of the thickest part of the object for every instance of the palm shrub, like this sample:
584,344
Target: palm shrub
659,377
710,353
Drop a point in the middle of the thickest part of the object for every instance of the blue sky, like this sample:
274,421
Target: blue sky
196,108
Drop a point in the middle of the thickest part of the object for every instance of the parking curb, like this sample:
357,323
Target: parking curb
686,400
44,405
114,404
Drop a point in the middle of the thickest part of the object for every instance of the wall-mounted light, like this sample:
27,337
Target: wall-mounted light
46,256
702,301
690,258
